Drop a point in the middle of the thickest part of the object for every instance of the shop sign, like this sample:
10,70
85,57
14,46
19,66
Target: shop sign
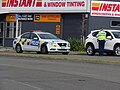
26,17
10,18
47,17
104,8
21,3
20,17
57,29
46,5
16,16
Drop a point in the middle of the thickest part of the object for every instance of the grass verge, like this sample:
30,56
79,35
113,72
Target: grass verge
60,57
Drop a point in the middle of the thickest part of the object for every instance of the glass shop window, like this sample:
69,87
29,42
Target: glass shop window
11,29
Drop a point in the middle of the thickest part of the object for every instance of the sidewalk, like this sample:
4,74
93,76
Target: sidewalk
5,48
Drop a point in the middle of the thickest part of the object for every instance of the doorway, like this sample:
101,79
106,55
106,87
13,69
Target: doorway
1,33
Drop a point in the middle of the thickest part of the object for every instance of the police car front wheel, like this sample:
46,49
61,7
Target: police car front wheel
44,49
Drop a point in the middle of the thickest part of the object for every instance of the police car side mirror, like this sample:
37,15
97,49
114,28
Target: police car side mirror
109,37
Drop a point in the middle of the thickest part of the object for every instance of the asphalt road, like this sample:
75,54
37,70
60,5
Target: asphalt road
41,74
105,57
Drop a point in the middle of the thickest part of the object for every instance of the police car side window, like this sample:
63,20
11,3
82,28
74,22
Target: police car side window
94,34
26,35
33,36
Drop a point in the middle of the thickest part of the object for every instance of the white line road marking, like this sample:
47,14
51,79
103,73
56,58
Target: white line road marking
24,84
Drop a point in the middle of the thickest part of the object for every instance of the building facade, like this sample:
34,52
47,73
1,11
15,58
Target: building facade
105,14
64,18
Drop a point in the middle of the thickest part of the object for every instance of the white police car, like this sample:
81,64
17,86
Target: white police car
40,42
112,44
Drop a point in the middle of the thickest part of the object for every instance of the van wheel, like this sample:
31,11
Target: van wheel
18,49
44,49
90,49
117,50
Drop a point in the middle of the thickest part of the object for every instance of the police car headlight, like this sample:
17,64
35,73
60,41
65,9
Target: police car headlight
51,43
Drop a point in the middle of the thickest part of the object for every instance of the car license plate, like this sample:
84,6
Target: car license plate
63,47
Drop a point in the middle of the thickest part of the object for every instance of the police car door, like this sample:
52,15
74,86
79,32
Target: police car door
24,40
34,42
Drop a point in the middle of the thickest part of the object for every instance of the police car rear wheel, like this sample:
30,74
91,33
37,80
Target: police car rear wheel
18,49
90,50
44,49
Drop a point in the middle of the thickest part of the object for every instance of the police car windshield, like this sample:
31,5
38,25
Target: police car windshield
47,36
116,34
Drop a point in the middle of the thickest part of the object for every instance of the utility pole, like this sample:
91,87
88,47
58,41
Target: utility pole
83,33
17,17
